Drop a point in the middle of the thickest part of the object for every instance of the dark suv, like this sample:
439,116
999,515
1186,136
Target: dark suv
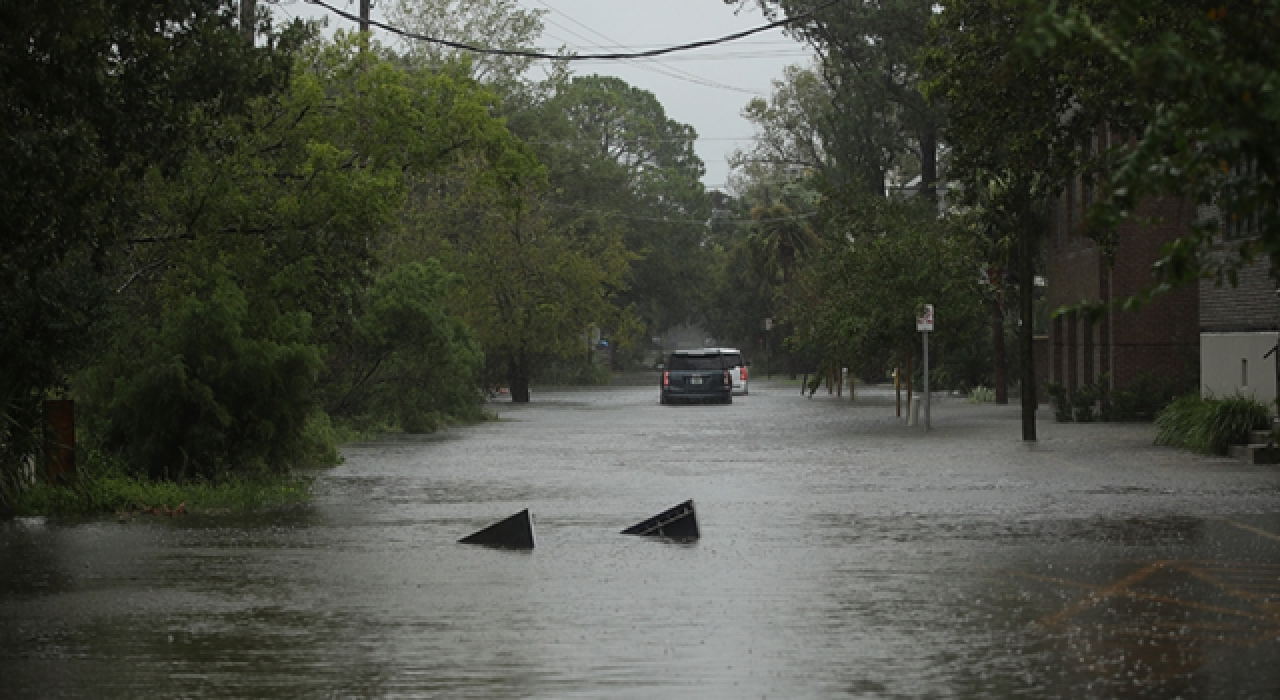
697,375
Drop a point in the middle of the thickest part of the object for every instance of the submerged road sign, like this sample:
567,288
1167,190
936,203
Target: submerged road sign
680,522
515,532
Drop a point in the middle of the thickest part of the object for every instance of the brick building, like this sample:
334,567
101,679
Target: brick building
1161,340
1238,328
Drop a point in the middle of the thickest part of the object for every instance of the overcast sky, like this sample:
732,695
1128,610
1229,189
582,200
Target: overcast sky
705,88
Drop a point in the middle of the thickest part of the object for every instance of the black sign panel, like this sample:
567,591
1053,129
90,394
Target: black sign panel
680,522
515,532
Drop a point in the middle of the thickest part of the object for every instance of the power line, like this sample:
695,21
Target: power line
730,56
641,47
566,142
654,67
700,222
575,57
649,65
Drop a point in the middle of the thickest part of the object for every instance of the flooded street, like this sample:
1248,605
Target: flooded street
842,554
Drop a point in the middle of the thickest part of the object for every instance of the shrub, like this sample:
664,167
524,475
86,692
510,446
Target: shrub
1145,397
1209,426
982,394
1060,402
408,363
1082,402
210,390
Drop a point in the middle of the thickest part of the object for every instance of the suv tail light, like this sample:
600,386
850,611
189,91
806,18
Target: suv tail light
743,376
728,380
666,379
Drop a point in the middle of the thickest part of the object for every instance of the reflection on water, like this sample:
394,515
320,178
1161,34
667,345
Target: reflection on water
841,555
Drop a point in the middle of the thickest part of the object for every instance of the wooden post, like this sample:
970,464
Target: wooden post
897,391
59,440
364,16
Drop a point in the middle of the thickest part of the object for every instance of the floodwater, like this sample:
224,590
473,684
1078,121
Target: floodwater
842,555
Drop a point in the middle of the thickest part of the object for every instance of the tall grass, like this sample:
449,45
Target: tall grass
101,486
1209,426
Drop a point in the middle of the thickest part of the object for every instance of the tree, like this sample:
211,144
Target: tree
869,54
499,24
409,362
1206,118
795,128
207,391
858,298
1016,131
93,96
252,296
619,162
531,290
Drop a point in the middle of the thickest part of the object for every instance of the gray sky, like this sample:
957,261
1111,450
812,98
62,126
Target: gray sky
705,88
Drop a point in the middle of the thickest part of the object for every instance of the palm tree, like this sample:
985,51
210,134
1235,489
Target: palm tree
777,239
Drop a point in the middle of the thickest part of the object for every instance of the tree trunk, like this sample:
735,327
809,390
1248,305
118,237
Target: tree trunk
518,378
1000,379
791,356
1026,343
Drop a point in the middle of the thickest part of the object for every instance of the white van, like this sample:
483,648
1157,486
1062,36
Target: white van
737,367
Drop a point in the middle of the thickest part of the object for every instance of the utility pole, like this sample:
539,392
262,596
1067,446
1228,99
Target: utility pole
364,16
1026,343
768,355
248,12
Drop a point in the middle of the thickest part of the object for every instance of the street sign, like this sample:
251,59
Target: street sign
925,323
515,532
680,522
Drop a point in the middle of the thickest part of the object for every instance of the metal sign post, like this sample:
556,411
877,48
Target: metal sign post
924,324
768,354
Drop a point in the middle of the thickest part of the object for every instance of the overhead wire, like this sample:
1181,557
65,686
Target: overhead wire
653,67
666,62
622,56
700,222
649,65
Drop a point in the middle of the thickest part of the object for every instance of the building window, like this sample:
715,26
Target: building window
1244,373
1236,224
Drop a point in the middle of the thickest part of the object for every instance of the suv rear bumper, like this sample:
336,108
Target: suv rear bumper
676,395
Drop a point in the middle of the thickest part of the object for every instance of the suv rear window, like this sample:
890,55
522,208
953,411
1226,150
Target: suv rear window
694,362
732,360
